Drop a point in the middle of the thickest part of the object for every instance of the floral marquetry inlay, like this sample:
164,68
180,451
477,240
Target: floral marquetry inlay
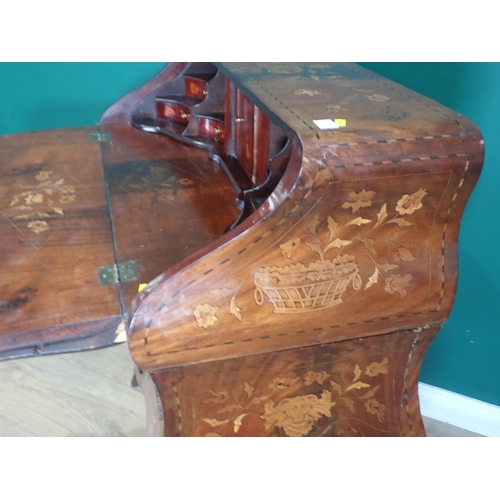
297,415
315,398
301,287
36,204
323,263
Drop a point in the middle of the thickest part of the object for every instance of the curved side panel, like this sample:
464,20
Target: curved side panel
364,243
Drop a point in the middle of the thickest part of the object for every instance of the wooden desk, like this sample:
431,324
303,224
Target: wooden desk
296,274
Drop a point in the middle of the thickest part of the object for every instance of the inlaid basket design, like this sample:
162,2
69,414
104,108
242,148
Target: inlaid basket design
299,288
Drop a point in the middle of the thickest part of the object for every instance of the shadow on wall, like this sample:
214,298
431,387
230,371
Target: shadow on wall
464,356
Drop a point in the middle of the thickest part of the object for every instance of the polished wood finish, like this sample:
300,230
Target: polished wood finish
292,277
356,246
167,201
366,202
351,388
55,234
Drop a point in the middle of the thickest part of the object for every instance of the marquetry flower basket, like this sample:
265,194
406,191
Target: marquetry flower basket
299,288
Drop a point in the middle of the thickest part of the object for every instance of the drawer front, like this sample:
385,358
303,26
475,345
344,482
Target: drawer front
172,111
195,88
210,128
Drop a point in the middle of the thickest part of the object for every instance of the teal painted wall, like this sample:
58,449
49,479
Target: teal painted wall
51,95
465,356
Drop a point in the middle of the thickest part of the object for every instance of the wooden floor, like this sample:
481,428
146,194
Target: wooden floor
87,394
78,394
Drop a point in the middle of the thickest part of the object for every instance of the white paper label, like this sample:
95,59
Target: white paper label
326,124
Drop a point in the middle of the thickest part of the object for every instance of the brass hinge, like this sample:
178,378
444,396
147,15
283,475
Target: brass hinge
118,273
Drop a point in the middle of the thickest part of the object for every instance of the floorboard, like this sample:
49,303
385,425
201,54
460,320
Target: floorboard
89,394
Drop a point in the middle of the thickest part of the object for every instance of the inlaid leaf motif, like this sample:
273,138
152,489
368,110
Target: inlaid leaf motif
313,224
58,210
350,404
370,393
234,309
387,267
248,389
368,242
336,387
358,221
24,216
357,373
375,408
223,292
213,422
314,244
218,397
337,243
238,421
357,385
400,221
332,227
396,237
372,279
381,216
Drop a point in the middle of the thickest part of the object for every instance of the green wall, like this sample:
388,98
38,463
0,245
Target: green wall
465,356
51,95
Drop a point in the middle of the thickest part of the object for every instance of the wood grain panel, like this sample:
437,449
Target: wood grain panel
55,234
363,387
167,200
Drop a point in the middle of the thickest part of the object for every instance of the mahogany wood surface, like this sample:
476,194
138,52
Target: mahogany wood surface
378,201
355,248
55,234
58,228
167,201
353,388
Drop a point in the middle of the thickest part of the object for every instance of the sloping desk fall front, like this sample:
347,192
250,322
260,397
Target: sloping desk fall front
296,226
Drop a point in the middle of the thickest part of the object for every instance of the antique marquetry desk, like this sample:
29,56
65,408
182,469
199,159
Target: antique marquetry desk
278,243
